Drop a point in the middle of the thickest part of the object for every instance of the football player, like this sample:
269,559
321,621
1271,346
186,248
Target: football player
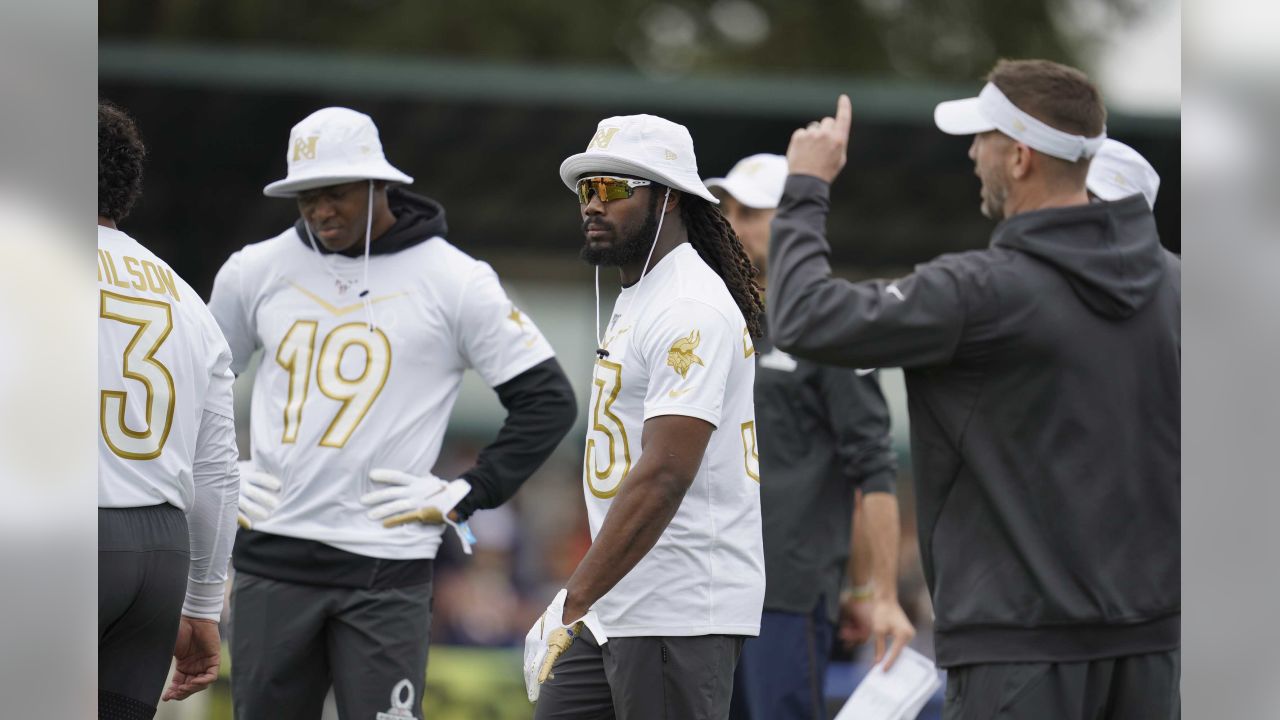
166,457
674,579
367,317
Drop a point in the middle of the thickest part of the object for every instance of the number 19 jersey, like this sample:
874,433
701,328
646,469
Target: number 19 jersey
678,345
347,384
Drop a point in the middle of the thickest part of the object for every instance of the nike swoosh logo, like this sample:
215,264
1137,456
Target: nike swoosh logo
340,310
863,372
682,391
616,335
894,291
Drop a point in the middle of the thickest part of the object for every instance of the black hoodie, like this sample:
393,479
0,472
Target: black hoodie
1043,378
418,219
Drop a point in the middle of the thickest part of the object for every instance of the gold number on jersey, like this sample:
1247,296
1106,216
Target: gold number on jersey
750,453
294,355
605,422
356,394
154,321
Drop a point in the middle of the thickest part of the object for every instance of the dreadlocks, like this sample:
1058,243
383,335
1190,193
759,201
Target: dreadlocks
714,239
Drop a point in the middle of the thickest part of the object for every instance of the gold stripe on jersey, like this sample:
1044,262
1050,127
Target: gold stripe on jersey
340,310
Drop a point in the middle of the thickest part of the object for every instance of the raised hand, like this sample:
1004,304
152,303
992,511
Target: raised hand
820,149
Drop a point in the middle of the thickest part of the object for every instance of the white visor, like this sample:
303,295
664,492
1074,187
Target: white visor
991,110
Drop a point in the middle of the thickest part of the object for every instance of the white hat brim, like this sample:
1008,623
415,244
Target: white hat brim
323,177
746,193
598,163
961,117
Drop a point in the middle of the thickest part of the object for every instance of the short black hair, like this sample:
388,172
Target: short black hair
120,157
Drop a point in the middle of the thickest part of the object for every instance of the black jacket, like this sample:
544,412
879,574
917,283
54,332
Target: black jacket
1043,381
824,431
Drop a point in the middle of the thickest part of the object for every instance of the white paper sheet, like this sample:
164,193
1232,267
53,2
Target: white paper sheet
899,694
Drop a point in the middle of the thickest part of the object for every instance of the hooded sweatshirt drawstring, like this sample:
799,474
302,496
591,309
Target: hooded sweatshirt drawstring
365,299
368,241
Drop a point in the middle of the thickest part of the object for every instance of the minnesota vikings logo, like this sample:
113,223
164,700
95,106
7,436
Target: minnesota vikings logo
681,357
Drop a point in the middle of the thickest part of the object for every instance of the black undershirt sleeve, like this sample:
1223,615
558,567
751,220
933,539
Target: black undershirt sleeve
540,410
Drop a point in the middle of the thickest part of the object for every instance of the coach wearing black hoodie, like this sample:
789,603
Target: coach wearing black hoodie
1043,379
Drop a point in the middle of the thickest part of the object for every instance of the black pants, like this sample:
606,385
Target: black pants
290,642
1134,687
642,678
143,558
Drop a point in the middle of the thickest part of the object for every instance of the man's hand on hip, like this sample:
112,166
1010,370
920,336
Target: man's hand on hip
259,495
410,498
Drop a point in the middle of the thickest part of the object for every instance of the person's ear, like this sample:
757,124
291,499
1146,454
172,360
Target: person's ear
673,201
1020,159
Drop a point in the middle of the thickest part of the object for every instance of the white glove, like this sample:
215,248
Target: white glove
410,498
259,495
548,640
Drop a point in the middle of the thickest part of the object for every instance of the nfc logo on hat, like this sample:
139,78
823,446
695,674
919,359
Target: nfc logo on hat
602,138
304,148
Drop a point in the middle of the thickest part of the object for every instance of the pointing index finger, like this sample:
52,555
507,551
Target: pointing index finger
844,114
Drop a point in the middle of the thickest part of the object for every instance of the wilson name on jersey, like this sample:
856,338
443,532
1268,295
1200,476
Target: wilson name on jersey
161,364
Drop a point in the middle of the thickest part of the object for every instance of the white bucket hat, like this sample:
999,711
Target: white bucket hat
755,181
646,146
1118,171
333,146
992,110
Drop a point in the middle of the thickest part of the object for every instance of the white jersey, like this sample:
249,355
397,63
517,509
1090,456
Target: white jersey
333,399
678,345
161,364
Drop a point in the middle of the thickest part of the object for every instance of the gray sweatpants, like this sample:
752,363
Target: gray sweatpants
290,642
143,558
1133,686
642,678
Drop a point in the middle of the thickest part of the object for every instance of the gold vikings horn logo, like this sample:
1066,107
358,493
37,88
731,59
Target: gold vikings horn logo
681,357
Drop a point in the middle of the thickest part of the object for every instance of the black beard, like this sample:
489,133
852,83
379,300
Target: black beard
630,249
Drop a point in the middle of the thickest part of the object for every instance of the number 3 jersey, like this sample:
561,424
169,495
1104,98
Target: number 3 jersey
347,384
161,365
678,345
